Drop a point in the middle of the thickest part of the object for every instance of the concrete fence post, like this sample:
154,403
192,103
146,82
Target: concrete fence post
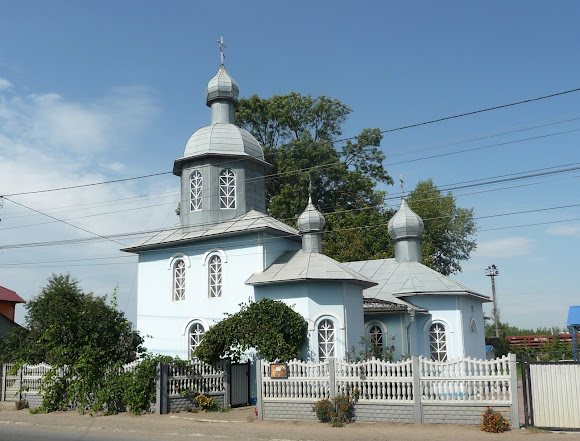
260,401
20,369
332,378
416,373
227,383
514,395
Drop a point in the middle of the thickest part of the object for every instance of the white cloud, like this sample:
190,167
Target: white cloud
565,230
5,84
502,248
48,141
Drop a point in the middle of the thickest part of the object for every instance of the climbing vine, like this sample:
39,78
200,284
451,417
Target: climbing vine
271,327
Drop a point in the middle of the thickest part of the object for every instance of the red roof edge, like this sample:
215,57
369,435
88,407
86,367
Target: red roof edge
7,295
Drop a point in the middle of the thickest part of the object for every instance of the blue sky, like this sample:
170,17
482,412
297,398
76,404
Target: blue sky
93,91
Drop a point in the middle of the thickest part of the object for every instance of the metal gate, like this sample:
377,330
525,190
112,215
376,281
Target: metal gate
240,384
551,394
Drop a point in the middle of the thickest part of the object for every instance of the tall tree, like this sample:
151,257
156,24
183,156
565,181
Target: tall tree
449,230
299,135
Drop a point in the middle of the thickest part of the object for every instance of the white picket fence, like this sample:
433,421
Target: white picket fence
376,380
28,379
197,376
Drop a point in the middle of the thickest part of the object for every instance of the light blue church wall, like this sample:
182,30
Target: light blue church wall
168,320
394,332
455,314
315,301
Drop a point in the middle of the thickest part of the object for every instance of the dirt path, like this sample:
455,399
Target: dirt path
240,424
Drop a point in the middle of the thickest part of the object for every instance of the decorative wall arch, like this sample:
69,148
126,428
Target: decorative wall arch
181,256
313,322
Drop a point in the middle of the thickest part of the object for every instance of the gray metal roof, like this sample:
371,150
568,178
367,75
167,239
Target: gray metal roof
222,86
251,221
405,223
311,219
378,305
404,279
301,266
222,139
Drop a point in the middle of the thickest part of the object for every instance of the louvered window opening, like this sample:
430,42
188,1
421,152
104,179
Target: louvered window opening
179,281
195,188
438,342
196,333
227,189
215,276
326,340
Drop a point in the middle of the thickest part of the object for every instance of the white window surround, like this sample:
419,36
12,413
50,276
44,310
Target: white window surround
194,337
206,269
438,342
384,334
227,189
171,261
215,276
313,322
195,190
179,275
448,334
190,321
326,338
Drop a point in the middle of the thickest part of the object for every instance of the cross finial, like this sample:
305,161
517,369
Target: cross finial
309,189
221,46
402,186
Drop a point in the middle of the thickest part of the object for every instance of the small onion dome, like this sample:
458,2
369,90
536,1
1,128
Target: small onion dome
405,223
222,86
311,220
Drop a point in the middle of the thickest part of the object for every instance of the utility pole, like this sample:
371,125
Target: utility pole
492,271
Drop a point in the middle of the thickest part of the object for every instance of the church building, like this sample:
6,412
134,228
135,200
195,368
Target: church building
226,250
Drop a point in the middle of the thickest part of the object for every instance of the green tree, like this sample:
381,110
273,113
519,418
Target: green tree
298,134
63,321
449,230
271,327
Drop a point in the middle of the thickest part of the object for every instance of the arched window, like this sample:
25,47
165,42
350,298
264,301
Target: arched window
215,276
376,339
473,326
227,189
326,340
438,342
178,280
195,190
196,333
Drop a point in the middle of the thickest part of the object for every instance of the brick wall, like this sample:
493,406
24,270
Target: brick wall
289,410
459,414
34,400
177,403
390,413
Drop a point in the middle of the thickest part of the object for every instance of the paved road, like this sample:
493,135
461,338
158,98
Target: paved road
18,434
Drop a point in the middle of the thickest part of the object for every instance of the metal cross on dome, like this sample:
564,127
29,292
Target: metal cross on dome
221,46
402,187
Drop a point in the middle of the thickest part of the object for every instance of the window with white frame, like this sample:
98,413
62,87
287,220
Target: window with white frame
326,340
438,342
178,280
196,333
195,190
376,338
215,276
227,189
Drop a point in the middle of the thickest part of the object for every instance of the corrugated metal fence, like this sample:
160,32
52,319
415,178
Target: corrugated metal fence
552,394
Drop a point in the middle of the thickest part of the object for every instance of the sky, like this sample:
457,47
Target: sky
99,91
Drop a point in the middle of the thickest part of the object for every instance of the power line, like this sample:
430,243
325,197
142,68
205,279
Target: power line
334,141
65,222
